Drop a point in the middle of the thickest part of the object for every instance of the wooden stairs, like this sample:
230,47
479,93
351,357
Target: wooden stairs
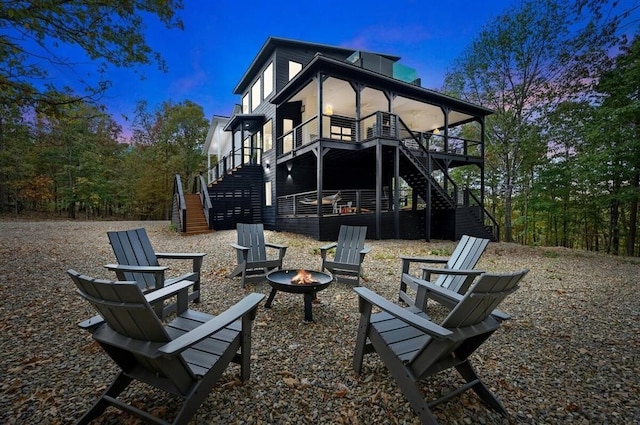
196,221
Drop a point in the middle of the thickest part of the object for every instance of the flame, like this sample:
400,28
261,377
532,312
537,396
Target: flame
303,277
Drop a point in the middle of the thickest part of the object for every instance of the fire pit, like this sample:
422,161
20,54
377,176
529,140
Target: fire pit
306,282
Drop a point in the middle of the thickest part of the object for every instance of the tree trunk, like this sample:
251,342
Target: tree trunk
633,216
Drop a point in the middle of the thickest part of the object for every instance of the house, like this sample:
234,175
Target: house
327,135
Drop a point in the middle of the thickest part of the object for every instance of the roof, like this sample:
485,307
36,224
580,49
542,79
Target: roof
323,63
272,42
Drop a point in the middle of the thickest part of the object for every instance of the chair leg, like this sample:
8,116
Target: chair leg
361,340
404,378
469,374
121,382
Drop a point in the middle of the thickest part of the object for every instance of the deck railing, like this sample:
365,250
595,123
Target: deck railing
353,201
241,155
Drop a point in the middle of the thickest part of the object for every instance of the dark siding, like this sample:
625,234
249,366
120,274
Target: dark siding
238,198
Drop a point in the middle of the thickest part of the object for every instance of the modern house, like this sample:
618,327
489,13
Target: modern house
327,135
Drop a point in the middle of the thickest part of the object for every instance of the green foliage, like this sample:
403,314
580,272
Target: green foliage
108,32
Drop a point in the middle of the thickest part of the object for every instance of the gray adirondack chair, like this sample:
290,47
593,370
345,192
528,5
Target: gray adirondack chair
346,264
184,358
138,262
253,260
452,276
412,347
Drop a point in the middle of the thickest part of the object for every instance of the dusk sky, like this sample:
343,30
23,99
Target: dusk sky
220,39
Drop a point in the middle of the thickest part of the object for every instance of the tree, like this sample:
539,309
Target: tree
35,35
522,66
617,127
167,141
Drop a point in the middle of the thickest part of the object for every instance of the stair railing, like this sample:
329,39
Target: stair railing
179,216
410,142
200,187
485,217
241,155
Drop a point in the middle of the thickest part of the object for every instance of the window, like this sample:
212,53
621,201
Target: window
267,194
246,150
267,81
267,136
256,89
245,104
294,68
287,140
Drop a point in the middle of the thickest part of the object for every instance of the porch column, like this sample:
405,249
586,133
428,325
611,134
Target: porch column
378,188
396,191
319,176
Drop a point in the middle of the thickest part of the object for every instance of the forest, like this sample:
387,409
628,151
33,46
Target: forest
562,146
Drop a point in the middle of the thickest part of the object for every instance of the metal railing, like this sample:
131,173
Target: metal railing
179,213
200,187
239,156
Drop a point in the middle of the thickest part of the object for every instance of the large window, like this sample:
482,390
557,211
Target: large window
267,136
287,140
245,104
294,68
256,90
267,194
267,81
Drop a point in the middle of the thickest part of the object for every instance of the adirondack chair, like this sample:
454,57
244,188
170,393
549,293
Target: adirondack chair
413,348
349,255
452,276
138,262
253,261
184,358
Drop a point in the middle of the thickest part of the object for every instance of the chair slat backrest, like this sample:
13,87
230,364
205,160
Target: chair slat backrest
350,242
133,248
126,311
482,298
464,257
252,236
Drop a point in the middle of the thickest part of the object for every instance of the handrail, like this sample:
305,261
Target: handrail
239,156
485,214
200,187
451,198
180,206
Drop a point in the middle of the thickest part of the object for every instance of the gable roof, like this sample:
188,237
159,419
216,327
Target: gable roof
272,42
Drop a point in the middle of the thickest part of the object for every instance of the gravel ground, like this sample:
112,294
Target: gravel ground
570,354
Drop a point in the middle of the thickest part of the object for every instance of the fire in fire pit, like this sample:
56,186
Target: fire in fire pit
303,277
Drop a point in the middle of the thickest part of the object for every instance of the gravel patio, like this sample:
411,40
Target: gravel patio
570,354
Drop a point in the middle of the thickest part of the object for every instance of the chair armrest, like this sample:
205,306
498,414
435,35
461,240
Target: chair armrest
405,315
406,261
180,255
168,291
328,246
470,273
424,260
240,247
282,249
238,310
137,269
365,250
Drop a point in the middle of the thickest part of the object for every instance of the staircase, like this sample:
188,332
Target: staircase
196,221
444,207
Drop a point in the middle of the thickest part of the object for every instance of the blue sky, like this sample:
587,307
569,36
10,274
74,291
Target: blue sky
220,39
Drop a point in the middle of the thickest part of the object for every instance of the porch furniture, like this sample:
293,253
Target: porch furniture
349,255
184,358
251,251
452,276
412,347
284,280
138,262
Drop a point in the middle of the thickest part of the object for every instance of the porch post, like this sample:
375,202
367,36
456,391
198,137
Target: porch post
378,187
319,175
396,191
